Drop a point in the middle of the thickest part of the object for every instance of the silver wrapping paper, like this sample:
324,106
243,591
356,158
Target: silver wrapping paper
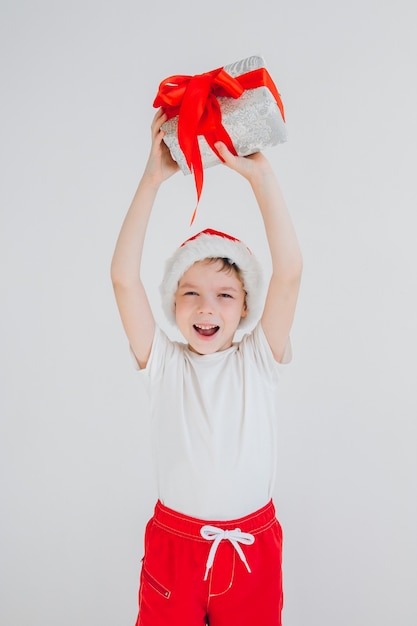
253,120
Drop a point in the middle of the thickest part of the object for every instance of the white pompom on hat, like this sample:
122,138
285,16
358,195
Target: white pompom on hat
212,244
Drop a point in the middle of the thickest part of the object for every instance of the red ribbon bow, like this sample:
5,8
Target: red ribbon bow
194,100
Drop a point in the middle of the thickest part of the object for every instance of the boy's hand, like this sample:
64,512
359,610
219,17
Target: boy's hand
250,167
160,165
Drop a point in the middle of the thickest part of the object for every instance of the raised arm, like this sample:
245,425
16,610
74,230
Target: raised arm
281,299
132,301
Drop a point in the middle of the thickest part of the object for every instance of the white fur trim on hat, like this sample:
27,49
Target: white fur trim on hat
211,244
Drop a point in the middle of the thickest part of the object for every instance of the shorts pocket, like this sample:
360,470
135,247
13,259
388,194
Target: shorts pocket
163,591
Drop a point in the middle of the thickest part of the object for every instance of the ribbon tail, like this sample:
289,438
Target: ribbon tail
197,170
213,129
191,223
191,111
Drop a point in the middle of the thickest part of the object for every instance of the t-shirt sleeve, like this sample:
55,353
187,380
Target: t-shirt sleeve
256,344
287,356
162,348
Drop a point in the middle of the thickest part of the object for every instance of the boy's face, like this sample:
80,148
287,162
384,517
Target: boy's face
209,304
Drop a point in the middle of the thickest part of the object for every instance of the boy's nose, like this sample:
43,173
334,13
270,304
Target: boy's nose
206,305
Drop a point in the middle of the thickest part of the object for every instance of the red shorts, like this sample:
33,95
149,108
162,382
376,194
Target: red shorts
197,572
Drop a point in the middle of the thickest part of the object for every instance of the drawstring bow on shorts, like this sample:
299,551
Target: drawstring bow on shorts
216,535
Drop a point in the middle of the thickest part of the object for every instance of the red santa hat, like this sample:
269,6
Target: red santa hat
213,244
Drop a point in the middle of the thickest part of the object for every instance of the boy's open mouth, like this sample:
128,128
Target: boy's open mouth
206,329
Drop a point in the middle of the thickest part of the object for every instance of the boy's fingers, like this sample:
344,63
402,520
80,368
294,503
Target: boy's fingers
159,116
221,147
224,152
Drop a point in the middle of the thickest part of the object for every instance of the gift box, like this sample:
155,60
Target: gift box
238,104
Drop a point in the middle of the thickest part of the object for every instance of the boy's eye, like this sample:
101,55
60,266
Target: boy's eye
190,293
226,295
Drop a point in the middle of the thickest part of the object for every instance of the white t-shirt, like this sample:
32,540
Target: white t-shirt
214,426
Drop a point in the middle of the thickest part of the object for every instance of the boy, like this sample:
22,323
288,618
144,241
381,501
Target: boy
213,546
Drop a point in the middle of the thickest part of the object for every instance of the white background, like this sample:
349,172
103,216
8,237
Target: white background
78,81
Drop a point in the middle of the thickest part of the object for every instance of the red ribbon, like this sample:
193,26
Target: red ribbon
194,100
